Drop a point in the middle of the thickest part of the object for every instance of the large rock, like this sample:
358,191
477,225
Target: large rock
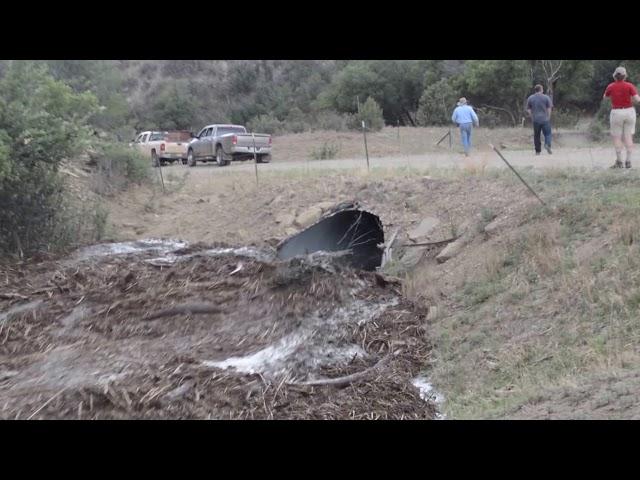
467,233
308,217
285,219
412,257
325,206
424,228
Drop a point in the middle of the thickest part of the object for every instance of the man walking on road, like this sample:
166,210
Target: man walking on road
623,116
465,118
539,107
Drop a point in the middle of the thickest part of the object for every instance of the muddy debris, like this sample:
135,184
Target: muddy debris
216,332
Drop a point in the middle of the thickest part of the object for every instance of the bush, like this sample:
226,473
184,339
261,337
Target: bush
266,124
295,121
437,103
42,121
490,118
331,121
327,151
565,118
371,114
120,166
597,131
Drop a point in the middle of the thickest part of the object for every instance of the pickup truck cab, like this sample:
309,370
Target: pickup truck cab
162,146
224,143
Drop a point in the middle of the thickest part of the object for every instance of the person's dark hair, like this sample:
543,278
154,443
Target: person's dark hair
619,76
538,88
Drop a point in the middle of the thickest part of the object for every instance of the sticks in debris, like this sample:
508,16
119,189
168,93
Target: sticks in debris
517,174
13,296
46,403
388,251
346,380
431,244
186,308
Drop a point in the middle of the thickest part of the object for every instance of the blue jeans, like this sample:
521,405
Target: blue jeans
465,133
545,128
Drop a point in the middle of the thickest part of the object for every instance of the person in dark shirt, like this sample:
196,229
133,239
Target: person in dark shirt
539,107
623,116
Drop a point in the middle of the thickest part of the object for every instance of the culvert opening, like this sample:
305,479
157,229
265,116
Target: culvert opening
352,229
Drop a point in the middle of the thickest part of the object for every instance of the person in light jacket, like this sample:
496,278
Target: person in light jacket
465,118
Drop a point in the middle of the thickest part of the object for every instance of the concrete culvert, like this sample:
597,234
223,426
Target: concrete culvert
348,228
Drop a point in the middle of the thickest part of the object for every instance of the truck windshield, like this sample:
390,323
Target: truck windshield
155,136
224,130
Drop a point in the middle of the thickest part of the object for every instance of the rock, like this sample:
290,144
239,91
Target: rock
275,200
290,231
285,219
456,247
467,232
412,256
494,225
425,227
308,217
325,206
432,314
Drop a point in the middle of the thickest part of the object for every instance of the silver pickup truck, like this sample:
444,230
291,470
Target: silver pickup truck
224,143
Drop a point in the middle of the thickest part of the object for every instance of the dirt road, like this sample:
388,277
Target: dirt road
561,158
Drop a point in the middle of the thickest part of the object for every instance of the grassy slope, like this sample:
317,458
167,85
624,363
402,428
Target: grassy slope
552,308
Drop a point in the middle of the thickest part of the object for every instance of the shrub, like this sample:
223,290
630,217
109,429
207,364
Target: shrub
565,118
331,121
371,114
327,151
42,121
120,166
266,124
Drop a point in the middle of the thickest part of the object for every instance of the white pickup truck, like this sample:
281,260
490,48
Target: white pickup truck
224,143
164,146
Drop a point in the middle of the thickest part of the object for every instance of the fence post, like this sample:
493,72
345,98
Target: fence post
366,150
255,156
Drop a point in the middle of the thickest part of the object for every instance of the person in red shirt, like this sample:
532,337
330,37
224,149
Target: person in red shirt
623,116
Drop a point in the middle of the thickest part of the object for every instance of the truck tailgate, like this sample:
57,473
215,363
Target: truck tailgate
246,140
176,147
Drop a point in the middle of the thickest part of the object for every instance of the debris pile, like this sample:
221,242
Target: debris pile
153,330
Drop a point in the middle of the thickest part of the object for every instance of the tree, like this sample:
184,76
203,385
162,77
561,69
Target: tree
437,102
42,122
173,107
396,85
552,73
371,114
500,85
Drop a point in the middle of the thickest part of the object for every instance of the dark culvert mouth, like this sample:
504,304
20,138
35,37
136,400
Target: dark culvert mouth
351,229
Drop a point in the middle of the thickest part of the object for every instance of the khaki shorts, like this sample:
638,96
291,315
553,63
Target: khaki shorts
623,121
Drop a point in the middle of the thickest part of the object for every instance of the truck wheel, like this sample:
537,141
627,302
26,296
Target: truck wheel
154,159
264,158
184,161
191,161
220,158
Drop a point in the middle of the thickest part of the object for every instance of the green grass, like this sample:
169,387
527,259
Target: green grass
536,317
